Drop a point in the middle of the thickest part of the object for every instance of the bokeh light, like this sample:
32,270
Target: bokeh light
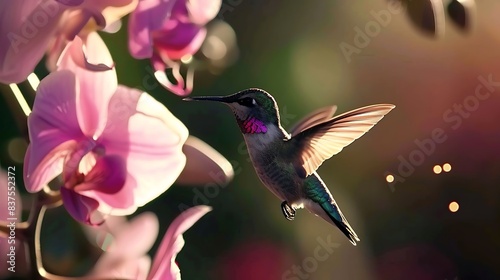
187,59
453,206
389,178
16,148
437,169
446,167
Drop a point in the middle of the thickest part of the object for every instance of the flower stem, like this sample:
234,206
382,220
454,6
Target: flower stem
45,200
33,239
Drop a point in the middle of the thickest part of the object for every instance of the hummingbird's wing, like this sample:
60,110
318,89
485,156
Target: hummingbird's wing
313,119
311,147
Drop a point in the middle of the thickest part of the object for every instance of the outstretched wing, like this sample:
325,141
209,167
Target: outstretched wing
309,148
313,119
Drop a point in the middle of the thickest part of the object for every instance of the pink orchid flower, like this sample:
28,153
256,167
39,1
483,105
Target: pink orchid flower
129,260
116,147
29,27
166,31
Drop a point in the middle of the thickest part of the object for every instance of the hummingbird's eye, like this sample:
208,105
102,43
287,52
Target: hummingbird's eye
247,101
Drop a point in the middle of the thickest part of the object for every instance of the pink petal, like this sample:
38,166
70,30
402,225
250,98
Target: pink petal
74,22
102,236
105,183
105,12
136,269
55,48
203,11
125,259
119,203
144,133
22,43
148,17
146,226
185,39
38,172
53,129
179,87
113,27
107,176
204,165
96,88
78,206
173,242
73,162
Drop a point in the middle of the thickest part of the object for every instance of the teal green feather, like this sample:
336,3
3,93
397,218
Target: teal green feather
317,191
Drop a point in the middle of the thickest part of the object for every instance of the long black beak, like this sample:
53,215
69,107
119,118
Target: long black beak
224,99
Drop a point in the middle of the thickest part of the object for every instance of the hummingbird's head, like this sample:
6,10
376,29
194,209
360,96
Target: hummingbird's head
254,106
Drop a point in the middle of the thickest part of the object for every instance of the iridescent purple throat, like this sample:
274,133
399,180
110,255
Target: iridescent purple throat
252,125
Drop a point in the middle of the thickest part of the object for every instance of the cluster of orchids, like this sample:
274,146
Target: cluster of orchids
98,148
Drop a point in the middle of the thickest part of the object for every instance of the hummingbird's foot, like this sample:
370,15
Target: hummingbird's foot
288,211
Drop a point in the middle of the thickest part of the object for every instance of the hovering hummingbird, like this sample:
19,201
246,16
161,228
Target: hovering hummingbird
285,162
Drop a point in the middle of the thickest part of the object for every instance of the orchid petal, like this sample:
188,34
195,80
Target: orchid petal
53,129
185,39
55,48
38,171
144,133
73,160
105,183
120,203
140,43
148,17
203,11
107,176
146,226
103,235
110,10
79,206
96,88
113,27
22,43
204,165
136,269
180,87
76,20
172,243
121,258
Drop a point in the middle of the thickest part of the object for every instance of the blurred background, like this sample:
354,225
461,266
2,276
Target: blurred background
422,211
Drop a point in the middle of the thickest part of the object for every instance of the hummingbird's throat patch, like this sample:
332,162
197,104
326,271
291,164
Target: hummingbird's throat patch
252,125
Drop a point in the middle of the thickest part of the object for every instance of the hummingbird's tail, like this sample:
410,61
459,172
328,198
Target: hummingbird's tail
320,202
330,212
336,216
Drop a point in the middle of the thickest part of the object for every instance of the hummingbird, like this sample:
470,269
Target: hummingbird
286,163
